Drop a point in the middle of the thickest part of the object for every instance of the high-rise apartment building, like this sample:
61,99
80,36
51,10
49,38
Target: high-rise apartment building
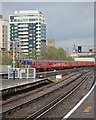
30,28
4,34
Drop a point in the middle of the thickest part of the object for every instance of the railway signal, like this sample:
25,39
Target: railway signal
79,49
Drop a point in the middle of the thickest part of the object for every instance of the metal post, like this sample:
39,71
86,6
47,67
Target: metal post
14,63
34,73
8,72
27,73
19,54
14,42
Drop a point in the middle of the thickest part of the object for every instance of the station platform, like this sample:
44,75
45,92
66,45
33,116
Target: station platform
86,108
7,83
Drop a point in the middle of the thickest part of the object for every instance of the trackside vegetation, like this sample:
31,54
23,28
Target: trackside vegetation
52,53
47,53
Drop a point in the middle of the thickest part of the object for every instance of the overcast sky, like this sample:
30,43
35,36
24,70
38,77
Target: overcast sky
69,23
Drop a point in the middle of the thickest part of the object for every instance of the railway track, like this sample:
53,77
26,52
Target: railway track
38,90
38,114
7,95
45,77
48,106
34,90
66,105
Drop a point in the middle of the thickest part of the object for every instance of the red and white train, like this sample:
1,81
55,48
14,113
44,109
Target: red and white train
54,64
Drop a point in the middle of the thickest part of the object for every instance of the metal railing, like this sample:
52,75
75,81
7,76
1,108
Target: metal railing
21,73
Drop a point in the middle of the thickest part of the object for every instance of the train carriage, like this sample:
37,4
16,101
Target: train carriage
53,64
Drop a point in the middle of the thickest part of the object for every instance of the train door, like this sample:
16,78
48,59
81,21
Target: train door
36,65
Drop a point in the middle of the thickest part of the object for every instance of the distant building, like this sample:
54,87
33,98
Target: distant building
51,42
4,34
74,52
67,52
30,27
74,49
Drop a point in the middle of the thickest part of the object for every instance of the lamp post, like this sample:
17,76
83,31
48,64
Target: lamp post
14,42
13,62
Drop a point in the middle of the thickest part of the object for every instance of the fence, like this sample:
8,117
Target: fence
21,73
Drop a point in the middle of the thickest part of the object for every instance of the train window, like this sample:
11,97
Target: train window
34,63
50,63
39,63
28,63
45,63
25,63
62,64
55,63
59,63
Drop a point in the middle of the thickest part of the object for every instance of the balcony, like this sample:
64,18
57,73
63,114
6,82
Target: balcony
22,29
38,28
38,43
38,32
25,43
38,36
38,47
24,47
23,25
38,25
23,33
24,36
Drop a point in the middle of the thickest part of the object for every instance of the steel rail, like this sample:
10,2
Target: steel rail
42,96
43,88
55,102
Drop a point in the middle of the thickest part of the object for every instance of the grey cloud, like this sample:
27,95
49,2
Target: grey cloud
68,22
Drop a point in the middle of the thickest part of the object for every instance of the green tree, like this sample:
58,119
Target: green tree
24,56
43,52
6,58
70,58
61,54
52,53
34,54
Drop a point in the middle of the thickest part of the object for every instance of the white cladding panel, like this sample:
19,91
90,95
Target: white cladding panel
85,59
